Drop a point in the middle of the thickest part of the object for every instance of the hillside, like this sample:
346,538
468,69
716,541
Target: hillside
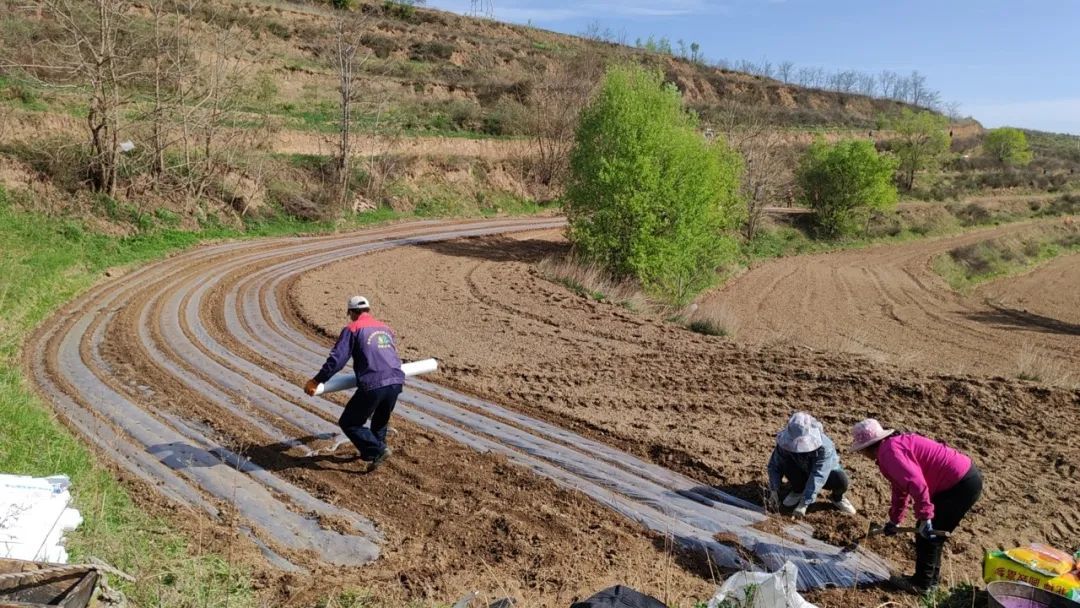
233,108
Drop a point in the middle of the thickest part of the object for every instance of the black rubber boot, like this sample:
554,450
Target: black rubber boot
927,563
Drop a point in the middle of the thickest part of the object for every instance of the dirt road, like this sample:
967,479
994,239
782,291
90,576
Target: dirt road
704,406
886,303
185,374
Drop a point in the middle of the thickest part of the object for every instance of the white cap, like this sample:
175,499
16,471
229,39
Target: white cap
358,303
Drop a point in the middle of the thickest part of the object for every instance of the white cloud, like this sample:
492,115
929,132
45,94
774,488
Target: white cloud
1058,115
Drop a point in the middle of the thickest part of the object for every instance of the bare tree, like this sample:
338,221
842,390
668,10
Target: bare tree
346,46
96,52
767,170
867,85
556,102
887,83
952,110
785,71
918,94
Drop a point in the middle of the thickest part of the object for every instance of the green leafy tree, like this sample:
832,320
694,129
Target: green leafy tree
921,142
844,183
648,197
1008,146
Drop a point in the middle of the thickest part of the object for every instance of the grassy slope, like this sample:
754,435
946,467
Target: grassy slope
967,267
43,264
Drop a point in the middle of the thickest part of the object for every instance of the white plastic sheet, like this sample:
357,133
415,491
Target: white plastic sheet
347,380
776,590
34,516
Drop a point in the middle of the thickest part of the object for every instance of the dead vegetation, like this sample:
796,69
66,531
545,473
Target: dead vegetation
1035,365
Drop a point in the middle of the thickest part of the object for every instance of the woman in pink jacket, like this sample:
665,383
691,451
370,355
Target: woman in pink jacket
943,483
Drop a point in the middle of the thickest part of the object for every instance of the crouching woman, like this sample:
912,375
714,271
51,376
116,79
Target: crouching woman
806,456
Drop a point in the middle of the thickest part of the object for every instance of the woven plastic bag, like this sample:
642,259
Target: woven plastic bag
761,590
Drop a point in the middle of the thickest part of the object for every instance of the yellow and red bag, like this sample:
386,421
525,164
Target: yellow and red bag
1036,565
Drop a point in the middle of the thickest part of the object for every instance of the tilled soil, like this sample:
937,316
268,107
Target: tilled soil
1048,297
709,407
886,303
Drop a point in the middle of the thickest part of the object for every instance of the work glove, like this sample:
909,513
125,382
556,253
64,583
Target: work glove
889,529
800,511
773,501
925,528
310,387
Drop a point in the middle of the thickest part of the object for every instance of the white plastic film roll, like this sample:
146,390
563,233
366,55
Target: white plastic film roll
346,380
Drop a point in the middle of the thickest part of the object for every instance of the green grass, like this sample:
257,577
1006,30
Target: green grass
966,267
787,241
45,263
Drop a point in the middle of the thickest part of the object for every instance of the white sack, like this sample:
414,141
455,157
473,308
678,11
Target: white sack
776,590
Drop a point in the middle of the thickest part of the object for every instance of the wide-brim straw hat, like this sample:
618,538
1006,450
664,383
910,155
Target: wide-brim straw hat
802,434
867,433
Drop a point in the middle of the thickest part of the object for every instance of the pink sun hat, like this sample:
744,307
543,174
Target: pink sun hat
867,433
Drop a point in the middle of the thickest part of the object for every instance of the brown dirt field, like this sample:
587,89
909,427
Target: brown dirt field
1048,291
886,303
706,406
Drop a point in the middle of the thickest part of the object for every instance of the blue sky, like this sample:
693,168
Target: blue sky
1007,62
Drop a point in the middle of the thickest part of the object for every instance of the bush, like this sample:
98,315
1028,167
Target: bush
382,46
844,183
507,117
649,197
431,51
401,9
1008,146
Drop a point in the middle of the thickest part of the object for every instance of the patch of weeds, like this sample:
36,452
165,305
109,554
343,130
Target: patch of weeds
964,595
707,327
166,217
746,601
278,29
433,50
22,93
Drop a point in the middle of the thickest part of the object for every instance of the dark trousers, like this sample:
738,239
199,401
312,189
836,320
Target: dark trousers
837,483
376,405
950,506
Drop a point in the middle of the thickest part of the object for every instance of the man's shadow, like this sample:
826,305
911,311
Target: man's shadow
281,456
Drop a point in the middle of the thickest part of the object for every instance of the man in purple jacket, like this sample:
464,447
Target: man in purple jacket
370,344
942,482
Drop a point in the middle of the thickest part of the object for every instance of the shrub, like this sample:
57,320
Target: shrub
648,197
1008,146
382,46
278,29
507,117
431,51
844,183
401,9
